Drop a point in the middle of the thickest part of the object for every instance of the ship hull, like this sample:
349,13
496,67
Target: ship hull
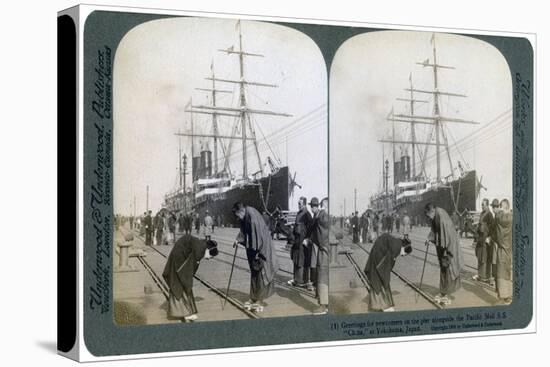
458,195
275,193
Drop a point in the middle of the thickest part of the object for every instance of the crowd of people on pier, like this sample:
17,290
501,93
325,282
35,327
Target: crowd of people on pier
308,244
310,249
162,228
493,248
307,239
367,227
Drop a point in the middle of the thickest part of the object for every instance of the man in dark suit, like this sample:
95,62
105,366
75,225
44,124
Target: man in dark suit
299,251
148,224
355,227
483,244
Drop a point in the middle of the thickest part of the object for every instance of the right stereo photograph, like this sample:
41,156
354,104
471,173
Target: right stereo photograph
420,173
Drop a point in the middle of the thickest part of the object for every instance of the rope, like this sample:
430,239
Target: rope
265,202
455,203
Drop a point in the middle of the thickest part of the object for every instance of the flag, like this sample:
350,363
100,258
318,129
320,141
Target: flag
238,24
410,77
432,40
212,66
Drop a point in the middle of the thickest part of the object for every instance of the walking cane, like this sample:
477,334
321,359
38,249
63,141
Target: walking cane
423,268
230,276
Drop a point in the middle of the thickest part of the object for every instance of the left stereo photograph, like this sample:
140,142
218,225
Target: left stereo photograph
211,118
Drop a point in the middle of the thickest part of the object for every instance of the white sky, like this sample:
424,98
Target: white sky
159,64
371,70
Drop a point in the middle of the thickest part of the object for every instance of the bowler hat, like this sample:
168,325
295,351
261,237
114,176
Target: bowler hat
495,203
314,202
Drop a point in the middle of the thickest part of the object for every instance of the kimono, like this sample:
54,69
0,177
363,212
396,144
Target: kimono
262,260
181,266
449,255
380,263
503,241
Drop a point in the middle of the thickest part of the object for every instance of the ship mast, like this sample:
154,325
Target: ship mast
179,161
436,120
215,132
242,113
393,142
412,101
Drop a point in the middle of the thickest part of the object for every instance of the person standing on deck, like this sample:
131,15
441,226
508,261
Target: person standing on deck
254,235
321,248
298,251
449,254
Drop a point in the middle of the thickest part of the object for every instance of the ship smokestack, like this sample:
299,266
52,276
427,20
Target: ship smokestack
397,172
405,168
196,168
206,164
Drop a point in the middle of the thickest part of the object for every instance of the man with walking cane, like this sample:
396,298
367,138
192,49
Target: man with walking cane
255,237
449,255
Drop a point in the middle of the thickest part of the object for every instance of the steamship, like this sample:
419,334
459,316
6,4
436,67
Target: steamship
215,187
412,189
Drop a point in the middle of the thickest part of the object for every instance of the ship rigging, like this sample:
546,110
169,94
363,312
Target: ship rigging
412,186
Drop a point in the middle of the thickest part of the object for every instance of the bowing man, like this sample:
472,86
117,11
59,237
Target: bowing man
380,263
181,266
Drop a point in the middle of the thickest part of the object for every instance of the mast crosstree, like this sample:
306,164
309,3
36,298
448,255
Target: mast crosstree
242,113
436,120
